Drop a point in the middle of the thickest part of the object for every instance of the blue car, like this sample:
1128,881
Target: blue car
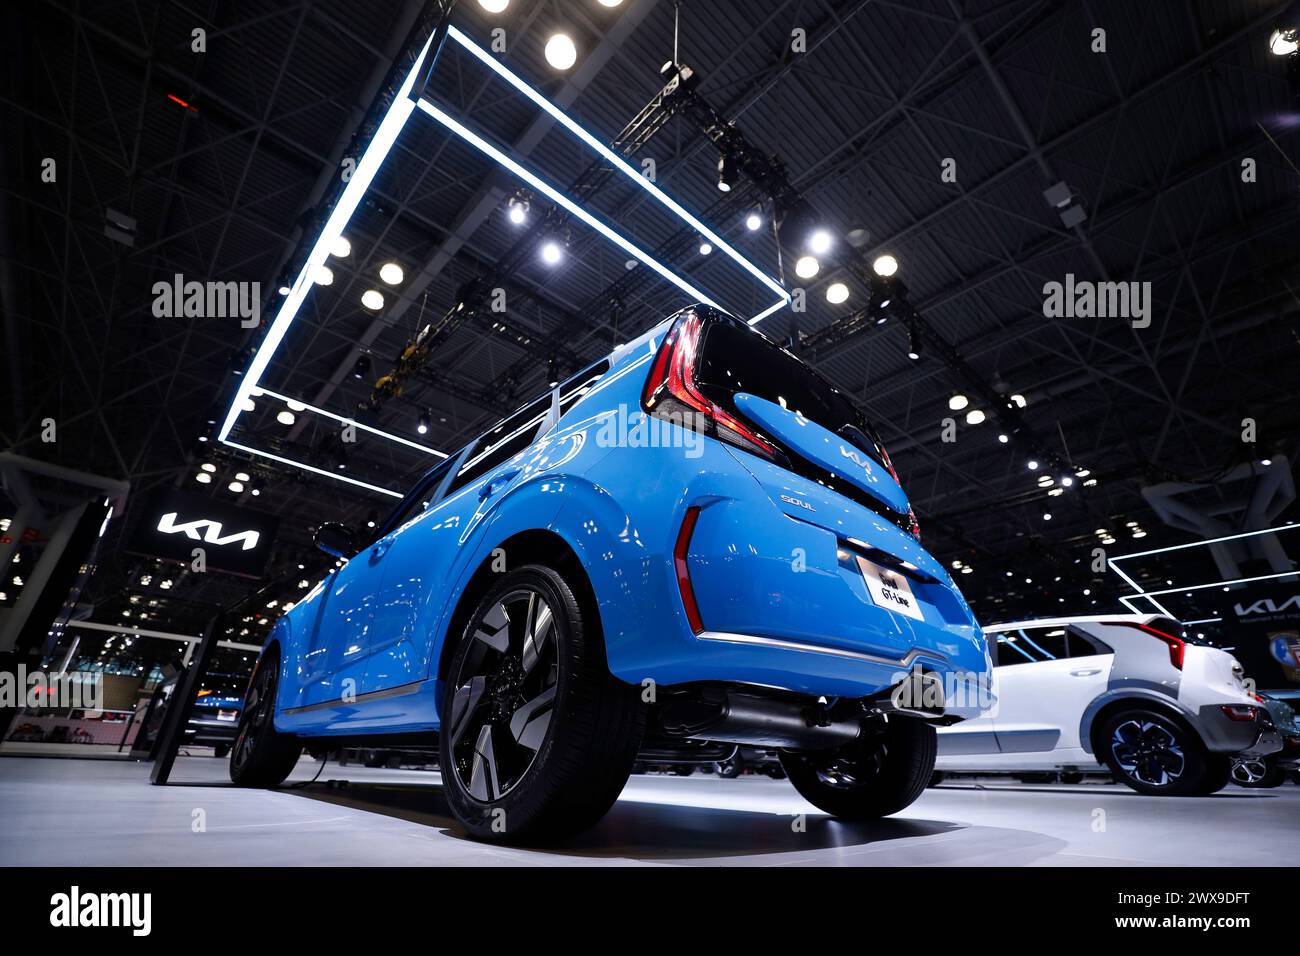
695,542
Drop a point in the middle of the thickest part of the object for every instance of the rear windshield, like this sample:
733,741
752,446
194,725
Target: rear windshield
734,358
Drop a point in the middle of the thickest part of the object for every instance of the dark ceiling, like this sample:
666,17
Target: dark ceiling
227,160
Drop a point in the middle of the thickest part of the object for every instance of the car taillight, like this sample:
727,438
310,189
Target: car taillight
672,381
1241,712
889,466
1176,644
683,572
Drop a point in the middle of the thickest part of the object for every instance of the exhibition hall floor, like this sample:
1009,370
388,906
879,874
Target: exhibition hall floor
99,813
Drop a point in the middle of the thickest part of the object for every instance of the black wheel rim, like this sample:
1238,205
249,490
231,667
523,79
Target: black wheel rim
504,695
255,719
855,767
1148,752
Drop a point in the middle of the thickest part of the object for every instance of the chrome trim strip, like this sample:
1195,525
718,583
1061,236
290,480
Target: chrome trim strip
402,690
904,662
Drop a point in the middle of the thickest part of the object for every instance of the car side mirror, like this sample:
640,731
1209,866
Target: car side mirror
335,539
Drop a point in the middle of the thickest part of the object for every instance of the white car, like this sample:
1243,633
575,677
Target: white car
1132,692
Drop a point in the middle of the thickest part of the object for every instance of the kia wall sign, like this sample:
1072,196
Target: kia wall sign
173,523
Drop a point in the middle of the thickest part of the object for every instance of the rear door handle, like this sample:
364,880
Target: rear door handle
496,483
1086,672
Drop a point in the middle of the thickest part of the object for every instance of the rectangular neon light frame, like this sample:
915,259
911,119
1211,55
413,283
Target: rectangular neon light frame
376,151
1128,599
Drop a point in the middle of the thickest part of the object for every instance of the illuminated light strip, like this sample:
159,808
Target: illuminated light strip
1198,544
1204,620
491,62
1221,584
352,421
373,157
1138,588
559,198
312,468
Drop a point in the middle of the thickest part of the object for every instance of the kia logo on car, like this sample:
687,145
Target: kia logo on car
212,533
857,459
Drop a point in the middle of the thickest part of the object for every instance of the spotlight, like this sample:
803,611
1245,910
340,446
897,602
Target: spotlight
203,478
517,210
551,253
494,6
208,467
705,248
974,417
391,273
1047,516
1032,465
610,3
247,405
340,248
284,290
423,425
1283,42
885,266
372,299
323,275
285,417
806,267
561,52
236,486
552,373
913,343
362,367
1066,481
728,171
254,492
242,476
836,293
753,221
1003,438
958,402
1019,401
820,241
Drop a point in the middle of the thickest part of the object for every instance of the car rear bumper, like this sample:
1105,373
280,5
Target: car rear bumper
1247,738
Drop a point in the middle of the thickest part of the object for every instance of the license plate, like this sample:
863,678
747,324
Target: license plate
890,589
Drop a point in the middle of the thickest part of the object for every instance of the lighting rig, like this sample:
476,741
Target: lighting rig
679,96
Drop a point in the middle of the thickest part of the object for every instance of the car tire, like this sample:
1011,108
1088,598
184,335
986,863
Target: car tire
221,751
538,738
1156,755
1257,773
261,756
880,773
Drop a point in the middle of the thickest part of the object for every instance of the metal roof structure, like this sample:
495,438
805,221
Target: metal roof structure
219,166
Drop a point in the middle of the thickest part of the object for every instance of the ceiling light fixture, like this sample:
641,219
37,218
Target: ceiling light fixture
885,266
391,273
372,299
753,221
551,253
561,52
806,267
836,293
958,402
340,248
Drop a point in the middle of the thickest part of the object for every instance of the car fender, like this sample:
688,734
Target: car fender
1136,693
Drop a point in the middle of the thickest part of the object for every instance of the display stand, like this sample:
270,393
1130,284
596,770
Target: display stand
181,706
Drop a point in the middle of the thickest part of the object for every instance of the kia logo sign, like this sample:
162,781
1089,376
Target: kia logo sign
212,534
171,523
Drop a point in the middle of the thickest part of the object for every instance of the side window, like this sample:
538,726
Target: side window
420,500
1083,644
1029,645
503,442
580,385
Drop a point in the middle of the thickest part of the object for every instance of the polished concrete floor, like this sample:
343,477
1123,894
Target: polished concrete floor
96,813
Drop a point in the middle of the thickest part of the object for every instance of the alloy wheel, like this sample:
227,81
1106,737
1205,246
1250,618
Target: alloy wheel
1148,752
257,711
504,695
1249,771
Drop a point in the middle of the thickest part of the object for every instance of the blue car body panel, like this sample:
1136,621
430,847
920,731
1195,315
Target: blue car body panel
780,604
